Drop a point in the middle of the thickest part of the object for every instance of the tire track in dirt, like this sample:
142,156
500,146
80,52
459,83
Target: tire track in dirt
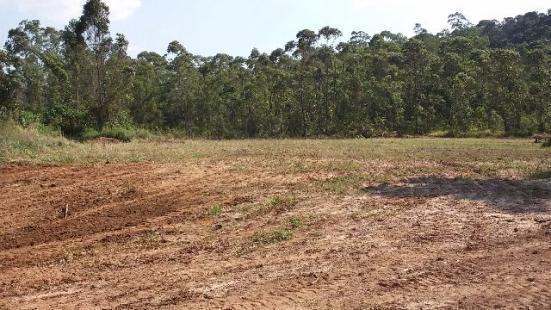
155,246
98,215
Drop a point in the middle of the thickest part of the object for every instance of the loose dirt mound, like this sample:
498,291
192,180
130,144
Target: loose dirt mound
207,235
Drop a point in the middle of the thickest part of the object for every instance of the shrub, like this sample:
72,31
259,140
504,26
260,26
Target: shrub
118,133
17,142
90,134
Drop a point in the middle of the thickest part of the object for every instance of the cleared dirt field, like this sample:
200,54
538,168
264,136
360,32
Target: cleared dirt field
421,223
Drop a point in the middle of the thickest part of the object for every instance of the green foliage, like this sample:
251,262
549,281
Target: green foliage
121,134
215,210
280,234
90,134
281,203
27,118
342,184
272,236
295,223
17,142
490,79
117,133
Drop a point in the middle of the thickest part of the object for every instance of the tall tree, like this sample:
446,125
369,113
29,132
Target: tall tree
92,32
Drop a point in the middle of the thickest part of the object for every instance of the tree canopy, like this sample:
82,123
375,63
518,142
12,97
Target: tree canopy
492,77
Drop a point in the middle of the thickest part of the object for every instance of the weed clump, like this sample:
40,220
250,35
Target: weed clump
295,223
343,184
273,236
280,234
148,239
215,210
281,204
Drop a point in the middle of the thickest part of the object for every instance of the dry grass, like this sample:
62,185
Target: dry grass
350,162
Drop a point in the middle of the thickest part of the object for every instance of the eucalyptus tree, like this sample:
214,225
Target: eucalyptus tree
119,76
92,33
149,90
419,92
328,78
539,86
303,49
459,83
37,71
7,105
507,88
493,76
182,88
459,22
384,96
284,111
24,48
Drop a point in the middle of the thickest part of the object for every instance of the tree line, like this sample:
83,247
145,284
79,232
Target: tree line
493,78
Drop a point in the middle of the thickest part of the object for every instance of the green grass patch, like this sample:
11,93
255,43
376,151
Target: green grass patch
343,184
281,203
215,211
280,234
295,223
272,236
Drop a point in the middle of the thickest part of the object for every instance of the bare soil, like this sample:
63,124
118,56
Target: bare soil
141,236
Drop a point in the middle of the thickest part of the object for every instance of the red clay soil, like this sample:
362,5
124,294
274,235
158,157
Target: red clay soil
140,236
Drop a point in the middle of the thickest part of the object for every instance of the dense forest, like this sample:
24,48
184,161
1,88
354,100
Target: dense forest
490,78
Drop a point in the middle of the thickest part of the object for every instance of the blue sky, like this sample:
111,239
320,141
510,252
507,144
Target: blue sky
207,27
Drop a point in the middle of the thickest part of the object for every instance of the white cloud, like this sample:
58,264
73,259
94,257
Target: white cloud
64,10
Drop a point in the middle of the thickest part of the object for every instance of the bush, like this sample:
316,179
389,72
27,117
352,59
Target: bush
18,142
474,133
118,133
27,118
90,134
